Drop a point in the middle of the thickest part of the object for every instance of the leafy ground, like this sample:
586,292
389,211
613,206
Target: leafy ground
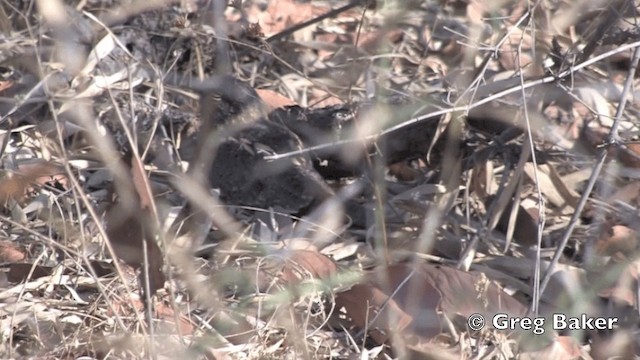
445,159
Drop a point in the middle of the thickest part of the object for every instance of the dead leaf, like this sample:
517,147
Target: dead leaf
629,154
403,171
410,300
628,193
561,348
302,264
525,230
274,100
375,42
162,312
10,252
129,226
17,183
617,240
561,199
281,14
620,283
514,53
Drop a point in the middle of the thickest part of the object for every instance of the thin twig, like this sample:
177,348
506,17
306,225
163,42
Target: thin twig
602,155
332,13
465,108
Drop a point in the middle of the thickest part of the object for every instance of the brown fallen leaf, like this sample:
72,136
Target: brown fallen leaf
129,226
629,193
10,252
619,285
525,230
617,240
403,171
162,312
303,264
5,84
515,53
274,100
629,155
16,184
561,348
410,300
281,14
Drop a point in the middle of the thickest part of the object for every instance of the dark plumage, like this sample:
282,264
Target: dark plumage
244,177
234,117
325,126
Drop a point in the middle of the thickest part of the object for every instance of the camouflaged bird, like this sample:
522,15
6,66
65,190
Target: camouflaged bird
233,118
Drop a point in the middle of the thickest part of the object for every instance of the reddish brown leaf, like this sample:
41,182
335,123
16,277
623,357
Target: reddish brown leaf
125,307
130,227
274,100
410,300
281,14
629,155
561,348
403,171
375,42
525,230
303,264
629,194
10,252
5,84
515,52
621,288
16,184
618,240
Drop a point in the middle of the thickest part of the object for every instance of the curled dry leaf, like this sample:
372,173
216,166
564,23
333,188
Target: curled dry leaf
281,14
164,313
10,252
618,240
629,155
629,193
274,100
303,264
16,184
5,84
525,230
561,348
515,52
410,300
403,171
129,227
620,286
